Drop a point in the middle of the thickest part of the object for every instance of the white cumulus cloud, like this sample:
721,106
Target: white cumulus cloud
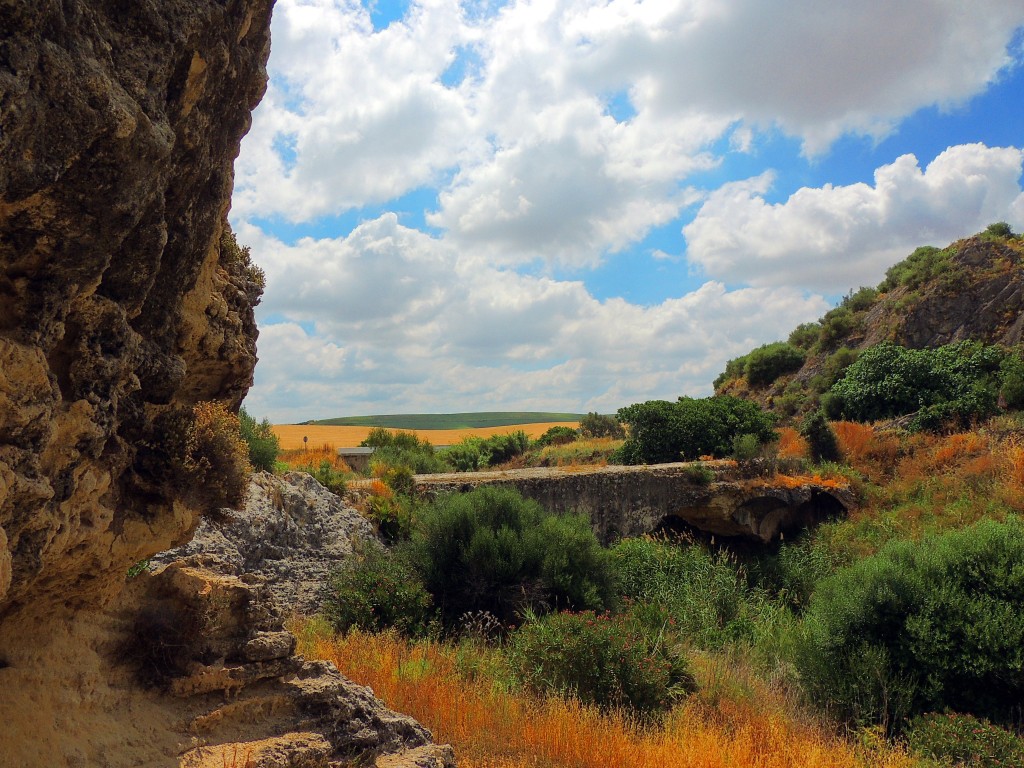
835,238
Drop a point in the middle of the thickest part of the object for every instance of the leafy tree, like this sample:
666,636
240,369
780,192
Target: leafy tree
263,443
597,425
661,431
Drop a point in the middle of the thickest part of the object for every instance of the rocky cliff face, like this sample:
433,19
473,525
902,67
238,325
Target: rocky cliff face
119,125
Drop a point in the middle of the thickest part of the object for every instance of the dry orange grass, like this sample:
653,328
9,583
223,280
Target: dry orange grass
791,444
299,457
497,729
854,439
290,435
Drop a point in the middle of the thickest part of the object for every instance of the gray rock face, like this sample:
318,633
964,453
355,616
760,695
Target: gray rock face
289,535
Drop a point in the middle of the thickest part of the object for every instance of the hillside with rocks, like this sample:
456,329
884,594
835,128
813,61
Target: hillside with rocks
972,290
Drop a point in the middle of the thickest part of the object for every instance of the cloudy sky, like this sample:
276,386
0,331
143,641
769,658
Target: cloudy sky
575,205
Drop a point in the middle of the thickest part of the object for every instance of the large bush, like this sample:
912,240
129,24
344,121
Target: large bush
920,627
262,442
491,549
821,440
951,385
765,364
599,659
375,590
661,431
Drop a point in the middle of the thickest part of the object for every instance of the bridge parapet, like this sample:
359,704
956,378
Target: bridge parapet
634,500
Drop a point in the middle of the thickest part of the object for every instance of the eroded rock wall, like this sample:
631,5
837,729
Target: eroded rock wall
119,125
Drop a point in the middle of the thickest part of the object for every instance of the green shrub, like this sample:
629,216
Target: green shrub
837,325
661,431
964,740
599,659
392,516
699,474
805,335
403,449
1011,392
467,455
734,369
557,435
702,595
765,364
262,442
924,264
999,229
746,447
376,590
597,425
501,448
922,627
490,549
821,440
860,300
835,366
330,478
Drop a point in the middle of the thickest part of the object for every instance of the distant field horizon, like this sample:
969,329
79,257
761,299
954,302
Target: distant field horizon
290,436
447,421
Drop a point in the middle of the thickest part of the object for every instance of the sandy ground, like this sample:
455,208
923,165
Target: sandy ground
290,435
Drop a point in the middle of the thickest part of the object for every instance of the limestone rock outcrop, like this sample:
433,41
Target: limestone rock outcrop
123,306
288,535
119,125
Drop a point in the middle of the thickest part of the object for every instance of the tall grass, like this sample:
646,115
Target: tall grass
740,721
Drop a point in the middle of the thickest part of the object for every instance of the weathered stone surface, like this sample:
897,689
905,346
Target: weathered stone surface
634,500
119,124
290,533
266,646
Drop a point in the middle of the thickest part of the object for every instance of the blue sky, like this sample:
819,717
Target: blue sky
580,204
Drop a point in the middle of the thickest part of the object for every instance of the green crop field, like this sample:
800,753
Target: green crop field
481,420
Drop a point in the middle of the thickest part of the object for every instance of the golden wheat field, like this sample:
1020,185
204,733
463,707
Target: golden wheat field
290,435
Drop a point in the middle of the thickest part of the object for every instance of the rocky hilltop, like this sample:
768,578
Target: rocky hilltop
972,290
126,308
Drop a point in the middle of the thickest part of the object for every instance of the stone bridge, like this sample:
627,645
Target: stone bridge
631,501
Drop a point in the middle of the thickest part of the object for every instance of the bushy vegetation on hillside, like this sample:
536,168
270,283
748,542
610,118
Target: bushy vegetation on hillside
952,385
661,431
